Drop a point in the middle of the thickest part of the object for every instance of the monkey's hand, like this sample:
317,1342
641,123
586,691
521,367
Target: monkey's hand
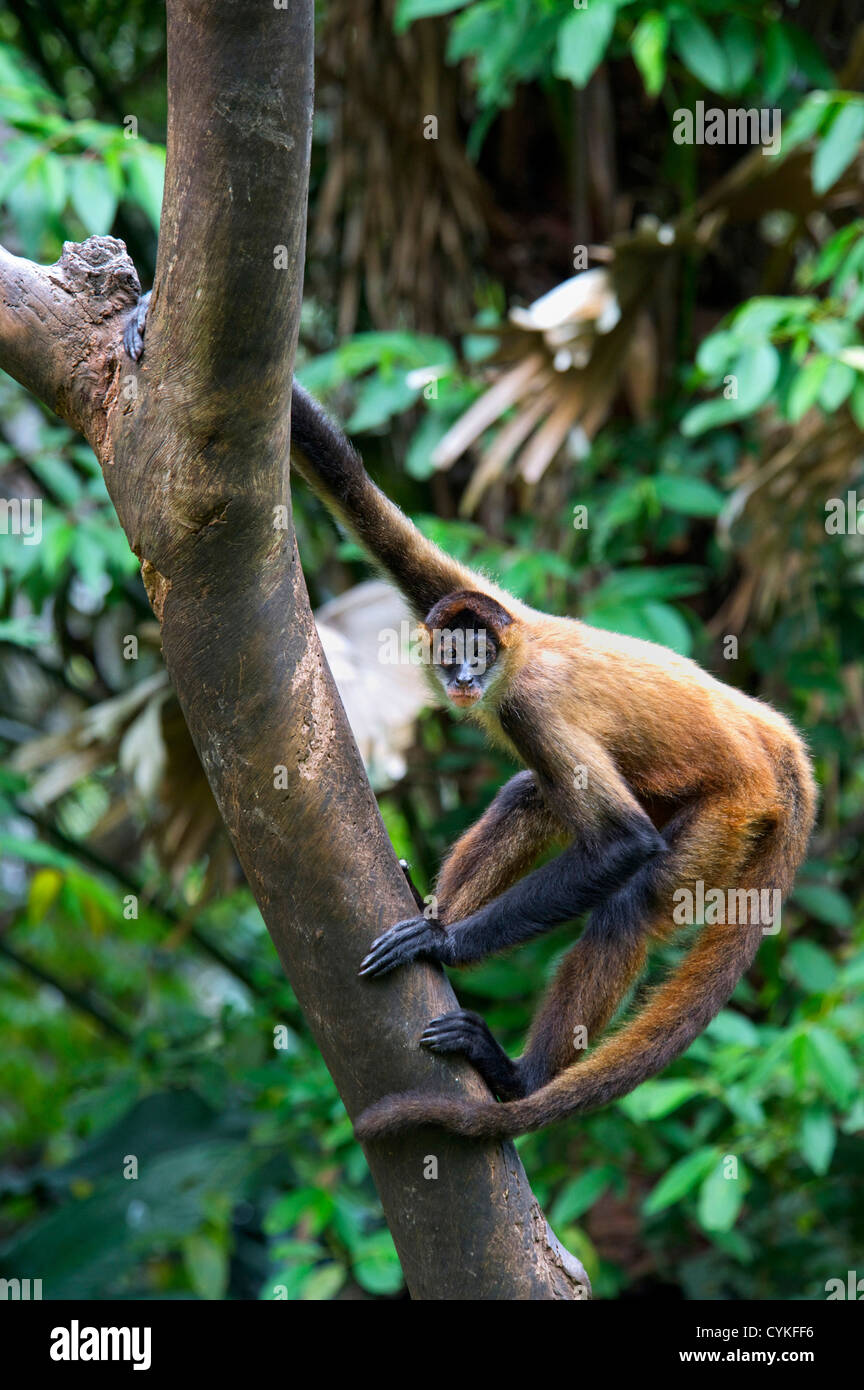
405,942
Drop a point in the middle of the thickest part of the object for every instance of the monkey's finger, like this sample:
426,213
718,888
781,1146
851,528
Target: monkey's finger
397,946
440,1027
446,1041
457,1027
462,1017
378,967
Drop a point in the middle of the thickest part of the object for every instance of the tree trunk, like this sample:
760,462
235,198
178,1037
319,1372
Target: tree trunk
194,448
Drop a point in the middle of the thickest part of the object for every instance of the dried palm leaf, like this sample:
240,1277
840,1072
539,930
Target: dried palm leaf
163,786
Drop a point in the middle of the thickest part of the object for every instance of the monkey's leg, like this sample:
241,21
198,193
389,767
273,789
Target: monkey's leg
485,861
704,842
491,855
595,865
584,875
590,982
588,987
497,850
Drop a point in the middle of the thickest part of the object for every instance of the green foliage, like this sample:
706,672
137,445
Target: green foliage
794,352
745,1153
63,177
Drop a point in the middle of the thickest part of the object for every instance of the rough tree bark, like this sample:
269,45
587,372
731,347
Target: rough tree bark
194,448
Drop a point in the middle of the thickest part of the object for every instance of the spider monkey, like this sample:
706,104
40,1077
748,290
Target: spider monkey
651,776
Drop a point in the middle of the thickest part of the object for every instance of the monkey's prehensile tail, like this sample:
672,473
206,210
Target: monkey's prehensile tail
676,1013
334,470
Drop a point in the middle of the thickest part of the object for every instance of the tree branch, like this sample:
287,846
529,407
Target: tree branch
194,451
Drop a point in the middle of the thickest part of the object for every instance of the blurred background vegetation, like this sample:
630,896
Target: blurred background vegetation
139,991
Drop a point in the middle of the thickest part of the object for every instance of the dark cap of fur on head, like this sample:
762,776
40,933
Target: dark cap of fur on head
487,611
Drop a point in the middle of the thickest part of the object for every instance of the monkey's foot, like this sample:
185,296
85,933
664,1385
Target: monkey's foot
466,1032
405,942
136,324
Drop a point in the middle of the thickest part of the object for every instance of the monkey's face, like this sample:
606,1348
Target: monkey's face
463,661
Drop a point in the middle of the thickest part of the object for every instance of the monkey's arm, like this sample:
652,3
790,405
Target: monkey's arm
334,470
497,850
613,838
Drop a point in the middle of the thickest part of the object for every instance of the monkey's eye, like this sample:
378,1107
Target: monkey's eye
448,655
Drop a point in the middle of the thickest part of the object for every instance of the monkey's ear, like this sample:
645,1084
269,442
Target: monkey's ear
488,612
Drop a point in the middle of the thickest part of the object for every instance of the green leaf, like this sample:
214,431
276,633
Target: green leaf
206,1261
44,887
825,903
832,255
720,1198
690,496
741,45
429,433
838,384
579,1195
91,190
761,316
778,62
700,52
756,368
835,336
35,852
839,147
856,405
311,1203
37,197
409,10
379,399
664,624
833,1063
20,632
732,1027
808,58
376,1265
806,386
805,121
323,1283
582,40
755,371
811,966
145,177
818,1138
681,1179
648,46
636,585
654,1099
650,622
717,351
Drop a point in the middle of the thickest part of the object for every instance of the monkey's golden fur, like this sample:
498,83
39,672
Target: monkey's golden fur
610,726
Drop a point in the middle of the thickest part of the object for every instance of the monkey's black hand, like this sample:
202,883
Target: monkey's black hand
405,942
466,1032
136,324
